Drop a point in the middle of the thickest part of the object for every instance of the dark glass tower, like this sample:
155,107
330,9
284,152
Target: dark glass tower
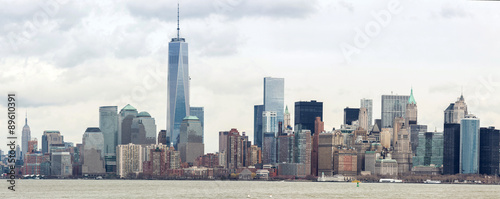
257,124
350,115
178,85
306,113
451,148
489,151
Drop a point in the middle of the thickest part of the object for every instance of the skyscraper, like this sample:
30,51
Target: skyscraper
368,104
26,137
303,149
393,106
274,96
178,85
269,132
456,111
350,115
306,113
363,119
93,152
191,139
257,124
489,151
50,138
411,111
143,129
108,124
127,115
429,150
469,145
319,127
286,123
451,148
199,112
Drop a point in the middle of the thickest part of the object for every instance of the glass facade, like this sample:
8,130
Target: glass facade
274,96
350,115
177,88
306,113
393,106
269,122
108,123
368,104
469,145
415,130
257,124
199,112
429,150
489,151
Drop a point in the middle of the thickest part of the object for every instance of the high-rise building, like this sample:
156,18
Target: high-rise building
143,129
415,131
269,122
191,139
326,148
274,96
319,127
345,162
393,106
257,125
429,150
489,151
177,85
350,115
232,149
129,159
285,148
287,124
402,150
199,112
363,119
303,149
108,124
269,148
451,148
26,137
469,145
411,111
93,152
306,113
162,138
60,164
126,116
456,111
368,104
50,138
254,156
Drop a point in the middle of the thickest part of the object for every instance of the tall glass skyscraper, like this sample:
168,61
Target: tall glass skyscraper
306,113
368,104
469,145
393,106
108,124
178,86
199,112
274,96
257,124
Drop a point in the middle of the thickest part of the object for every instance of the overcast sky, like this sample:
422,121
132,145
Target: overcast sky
64,60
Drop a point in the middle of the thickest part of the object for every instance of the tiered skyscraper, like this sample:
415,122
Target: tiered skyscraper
178,85
26,137
453,114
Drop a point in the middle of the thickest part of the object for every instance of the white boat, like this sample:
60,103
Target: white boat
432,181
335,178
391,180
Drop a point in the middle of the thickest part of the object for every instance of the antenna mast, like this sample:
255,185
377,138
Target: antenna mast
178,21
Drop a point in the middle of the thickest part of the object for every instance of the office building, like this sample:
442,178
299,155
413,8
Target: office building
368,104
162,138
285,148
199,112
363,119
108,124
129,160
489,151
60,164
350,115
254,155
306,113
345,162
274,96
32,146
232,149
93,152
393,106
469,145
177,86
49,138
411,111
269,148
257,125
286,123
429,150
26,137
125,118
303,149
143,129
191,139
319,127
456,111
451,149
415,130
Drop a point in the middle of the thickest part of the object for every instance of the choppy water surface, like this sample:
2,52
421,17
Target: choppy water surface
239,189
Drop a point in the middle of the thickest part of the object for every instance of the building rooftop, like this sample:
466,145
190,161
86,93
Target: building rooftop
129,108
411,100
143,114
191,118
93,129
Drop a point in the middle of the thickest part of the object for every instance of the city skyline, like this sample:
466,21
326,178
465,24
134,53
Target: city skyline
228,62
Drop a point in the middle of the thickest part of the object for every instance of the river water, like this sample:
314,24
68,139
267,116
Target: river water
239,189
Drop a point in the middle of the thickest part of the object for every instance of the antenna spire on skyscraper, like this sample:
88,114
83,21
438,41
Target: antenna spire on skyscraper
178,21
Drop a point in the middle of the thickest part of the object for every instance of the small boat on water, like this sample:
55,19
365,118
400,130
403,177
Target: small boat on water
432,182
391,180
